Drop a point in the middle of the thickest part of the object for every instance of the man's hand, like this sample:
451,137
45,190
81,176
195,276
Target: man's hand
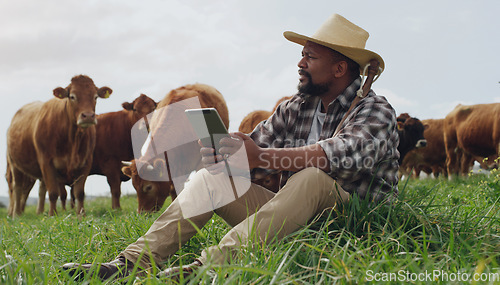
237,140
229,146
211,161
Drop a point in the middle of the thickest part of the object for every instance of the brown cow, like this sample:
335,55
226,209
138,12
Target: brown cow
114,143
251,120
411,134
469,132
432,158
53,142
152,194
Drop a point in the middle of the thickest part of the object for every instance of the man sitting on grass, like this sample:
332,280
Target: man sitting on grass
327,147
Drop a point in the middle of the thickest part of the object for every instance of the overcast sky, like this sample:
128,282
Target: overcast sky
437,53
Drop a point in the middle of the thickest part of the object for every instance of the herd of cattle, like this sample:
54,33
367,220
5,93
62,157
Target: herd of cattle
59,143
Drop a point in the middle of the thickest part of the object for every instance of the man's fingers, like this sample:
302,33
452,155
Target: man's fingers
230,145
208,156
240,135
207,151
231,141
211,159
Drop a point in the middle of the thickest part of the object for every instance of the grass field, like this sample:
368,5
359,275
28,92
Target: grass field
439,231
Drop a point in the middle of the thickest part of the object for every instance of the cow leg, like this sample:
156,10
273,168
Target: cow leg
19,188
498,150
435,171
72,195
8,177
466,163
10,208
14,201
23,200
453,162
114,184
416,172
42,192
78,190
63,196
53,195
450,162
450,144
53,186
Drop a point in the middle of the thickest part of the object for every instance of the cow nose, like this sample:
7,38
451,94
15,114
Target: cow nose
86,119
88,116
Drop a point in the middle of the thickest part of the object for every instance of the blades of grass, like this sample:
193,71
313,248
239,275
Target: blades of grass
285,262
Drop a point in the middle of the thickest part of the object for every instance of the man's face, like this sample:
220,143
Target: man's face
315,69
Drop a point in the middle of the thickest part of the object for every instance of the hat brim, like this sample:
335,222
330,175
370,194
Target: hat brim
361,56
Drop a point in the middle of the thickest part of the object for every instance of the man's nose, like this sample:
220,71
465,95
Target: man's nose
302,63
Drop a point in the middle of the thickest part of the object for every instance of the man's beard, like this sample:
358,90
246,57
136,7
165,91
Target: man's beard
311,88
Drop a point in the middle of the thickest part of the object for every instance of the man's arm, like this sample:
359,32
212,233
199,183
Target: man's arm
289,159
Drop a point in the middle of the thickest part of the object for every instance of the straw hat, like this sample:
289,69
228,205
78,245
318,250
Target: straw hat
343,36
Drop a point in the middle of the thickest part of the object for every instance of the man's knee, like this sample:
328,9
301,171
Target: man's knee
312,174
312,181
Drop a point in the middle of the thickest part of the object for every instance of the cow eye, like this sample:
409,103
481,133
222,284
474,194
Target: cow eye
95,96
72,97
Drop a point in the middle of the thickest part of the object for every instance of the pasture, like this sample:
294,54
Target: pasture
437,231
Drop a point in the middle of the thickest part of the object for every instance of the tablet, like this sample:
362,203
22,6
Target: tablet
208,126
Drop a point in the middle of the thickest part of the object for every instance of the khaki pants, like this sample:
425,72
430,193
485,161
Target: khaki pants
258,212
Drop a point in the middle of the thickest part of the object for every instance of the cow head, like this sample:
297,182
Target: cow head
414,130
270,181
411,134
141,106
151,195
403,117
82,94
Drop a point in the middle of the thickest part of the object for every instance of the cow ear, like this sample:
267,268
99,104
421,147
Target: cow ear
426,126
104,92
128,106
61,93
401,126
127,170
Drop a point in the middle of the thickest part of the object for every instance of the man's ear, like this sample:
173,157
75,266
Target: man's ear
340,69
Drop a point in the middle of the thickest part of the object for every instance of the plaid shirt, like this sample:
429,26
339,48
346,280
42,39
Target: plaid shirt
363,155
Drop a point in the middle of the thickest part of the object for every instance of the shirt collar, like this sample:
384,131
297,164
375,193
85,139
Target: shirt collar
345,98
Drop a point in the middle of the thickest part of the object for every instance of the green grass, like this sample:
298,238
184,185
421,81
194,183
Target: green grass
436,226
